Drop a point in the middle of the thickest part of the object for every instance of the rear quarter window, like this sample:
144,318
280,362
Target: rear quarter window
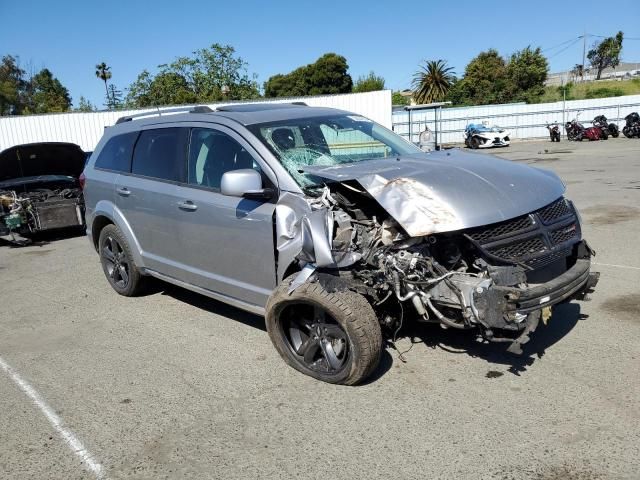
117,152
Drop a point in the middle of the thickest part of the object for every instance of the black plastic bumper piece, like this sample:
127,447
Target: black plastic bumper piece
575,282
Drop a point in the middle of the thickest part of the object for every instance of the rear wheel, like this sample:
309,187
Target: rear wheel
333,336
117,262
613,130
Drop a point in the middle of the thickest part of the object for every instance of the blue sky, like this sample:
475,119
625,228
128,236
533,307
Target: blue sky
390,38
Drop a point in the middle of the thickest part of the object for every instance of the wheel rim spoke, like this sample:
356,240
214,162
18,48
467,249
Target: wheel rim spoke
311,350
330,355
123,274
107,253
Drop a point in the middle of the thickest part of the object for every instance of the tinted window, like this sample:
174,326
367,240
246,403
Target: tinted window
212,153
116,154
161,154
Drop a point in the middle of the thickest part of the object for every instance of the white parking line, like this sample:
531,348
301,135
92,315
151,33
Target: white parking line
630,267
67,435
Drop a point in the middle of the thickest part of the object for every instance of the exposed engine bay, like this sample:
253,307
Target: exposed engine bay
40,189
47,206
500,279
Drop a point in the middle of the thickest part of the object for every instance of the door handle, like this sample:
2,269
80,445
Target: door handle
123,191
187,205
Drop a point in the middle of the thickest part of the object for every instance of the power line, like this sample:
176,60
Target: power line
576,40
560,44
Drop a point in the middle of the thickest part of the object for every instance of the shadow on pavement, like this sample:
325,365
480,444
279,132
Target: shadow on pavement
42,239
564,318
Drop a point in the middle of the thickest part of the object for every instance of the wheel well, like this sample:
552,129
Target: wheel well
96,227
291,269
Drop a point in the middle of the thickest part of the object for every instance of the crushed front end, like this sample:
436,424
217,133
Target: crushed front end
499,280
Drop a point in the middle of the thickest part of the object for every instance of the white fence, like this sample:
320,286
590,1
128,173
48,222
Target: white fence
85,129
523,120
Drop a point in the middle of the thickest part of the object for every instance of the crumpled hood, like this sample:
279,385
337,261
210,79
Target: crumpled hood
449,190
39,159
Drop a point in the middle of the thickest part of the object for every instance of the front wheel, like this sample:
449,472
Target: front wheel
332,335
475,143
626,131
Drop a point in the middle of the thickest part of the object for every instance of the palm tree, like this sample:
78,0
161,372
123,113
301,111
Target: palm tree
432,82
104,73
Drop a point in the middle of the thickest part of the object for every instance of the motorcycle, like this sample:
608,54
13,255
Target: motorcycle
554,132
577,132
610,128
632,128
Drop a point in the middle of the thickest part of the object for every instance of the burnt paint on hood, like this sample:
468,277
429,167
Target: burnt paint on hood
448,191
39,159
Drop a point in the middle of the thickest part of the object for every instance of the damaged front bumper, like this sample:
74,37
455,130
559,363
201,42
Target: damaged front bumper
519,310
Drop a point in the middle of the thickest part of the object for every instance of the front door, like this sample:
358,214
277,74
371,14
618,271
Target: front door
226,242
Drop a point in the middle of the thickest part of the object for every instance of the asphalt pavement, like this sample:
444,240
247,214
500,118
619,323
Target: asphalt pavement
175,385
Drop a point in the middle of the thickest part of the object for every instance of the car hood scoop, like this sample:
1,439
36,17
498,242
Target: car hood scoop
40,159
449,190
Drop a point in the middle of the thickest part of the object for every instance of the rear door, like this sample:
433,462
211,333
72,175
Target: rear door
226,242
148,196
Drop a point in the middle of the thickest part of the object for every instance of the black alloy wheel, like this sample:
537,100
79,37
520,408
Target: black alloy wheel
315,339
116,262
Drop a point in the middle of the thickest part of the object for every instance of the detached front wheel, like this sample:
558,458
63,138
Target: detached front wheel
333,336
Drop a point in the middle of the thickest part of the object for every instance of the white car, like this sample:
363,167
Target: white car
483,136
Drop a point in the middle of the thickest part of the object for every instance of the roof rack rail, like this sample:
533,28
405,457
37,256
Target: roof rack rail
196,109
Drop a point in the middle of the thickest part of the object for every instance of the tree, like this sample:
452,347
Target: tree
45,94
103,72
398,99
577,71
12,86
213,74
327,75
526,73
369,83
606,53
114,98
85,105
485,79
432,82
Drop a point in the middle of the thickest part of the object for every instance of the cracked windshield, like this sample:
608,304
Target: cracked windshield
328,141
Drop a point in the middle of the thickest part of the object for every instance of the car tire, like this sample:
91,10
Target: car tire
117,262
475,143
331,334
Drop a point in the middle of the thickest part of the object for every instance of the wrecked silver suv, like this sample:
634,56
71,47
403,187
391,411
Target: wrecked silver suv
333,227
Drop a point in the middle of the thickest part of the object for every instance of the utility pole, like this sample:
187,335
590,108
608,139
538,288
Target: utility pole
584,49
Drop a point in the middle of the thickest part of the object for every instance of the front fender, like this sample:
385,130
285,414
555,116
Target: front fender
105,208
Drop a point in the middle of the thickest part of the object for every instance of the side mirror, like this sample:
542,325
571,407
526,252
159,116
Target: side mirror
246,183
